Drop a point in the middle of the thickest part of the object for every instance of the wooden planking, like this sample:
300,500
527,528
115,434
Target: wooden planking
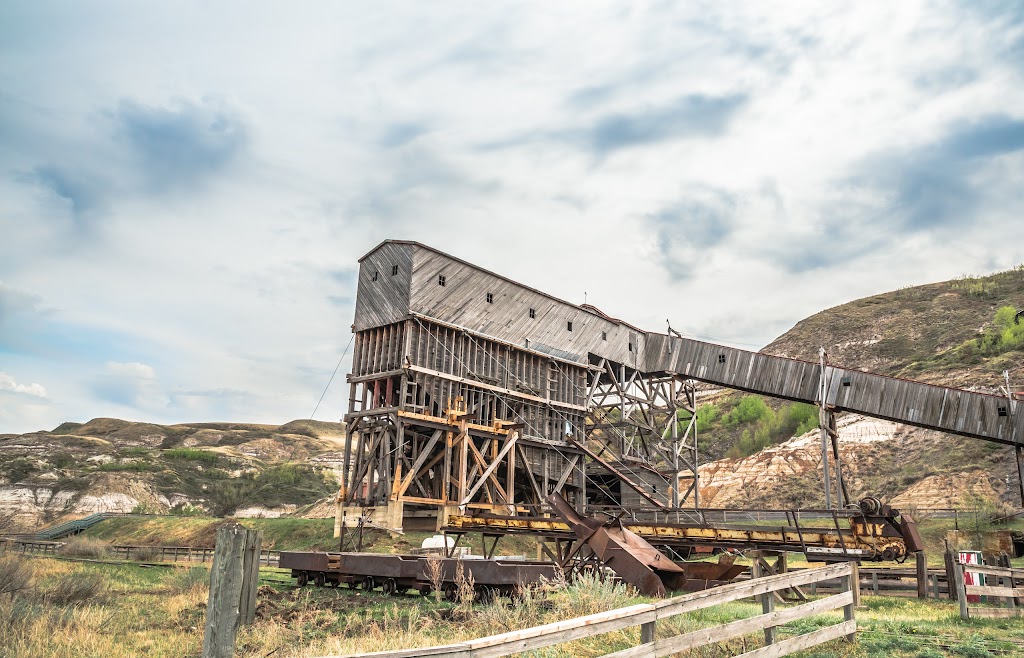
933,407
734,368
385,300
463,301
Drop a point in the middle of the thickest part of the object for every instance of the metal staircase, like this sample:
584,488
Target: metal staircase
72,527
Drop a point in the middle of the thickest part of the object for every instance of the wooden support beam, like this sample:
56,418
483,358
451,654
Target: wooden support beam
510,443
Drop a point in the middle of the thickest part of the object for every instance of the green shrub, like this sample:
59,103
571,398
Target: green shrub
296,484
192,454
19,469
751,408
707,414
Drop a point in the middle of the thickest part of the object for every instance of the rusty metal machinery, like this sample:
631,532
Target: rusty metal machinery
871,532
397,574
648,555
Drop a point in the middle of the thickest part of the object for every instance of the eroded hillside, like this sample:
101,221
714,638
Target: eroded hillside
110,465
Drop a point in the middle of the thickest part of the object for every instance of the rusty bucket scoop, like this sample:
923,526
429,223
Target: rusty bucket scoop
624,552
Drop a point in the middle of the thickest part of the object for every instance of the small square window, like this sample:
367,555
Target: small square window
441,280
569,325
533,313
1003,411
490,298
845,381
375,275
721,358
394,270
604,335
631,347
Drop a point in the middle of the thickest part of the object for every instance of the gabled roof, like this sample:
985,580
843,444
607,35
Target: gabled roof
586,308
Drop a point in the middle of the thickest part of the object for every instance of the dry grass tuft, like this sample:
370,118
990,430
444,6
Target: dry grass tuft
15,575
76,589
85,547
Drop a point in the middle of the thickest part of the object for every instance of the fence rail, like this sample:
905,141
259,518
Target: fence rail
130,551
646,616
1009,586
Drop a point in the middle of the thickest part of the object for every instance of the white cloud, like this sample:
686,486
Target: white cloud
7,384
192,197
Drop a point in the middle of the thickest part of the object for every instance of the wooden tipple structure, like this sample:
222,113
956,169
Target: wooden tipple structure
472,393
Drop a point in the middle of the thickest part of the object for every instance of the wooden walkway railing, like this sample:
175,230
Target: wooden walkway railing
648,614
199,554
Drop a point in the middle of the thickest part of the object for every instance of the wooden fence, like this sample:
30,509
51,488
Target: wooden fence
648,614
128,552
1009,586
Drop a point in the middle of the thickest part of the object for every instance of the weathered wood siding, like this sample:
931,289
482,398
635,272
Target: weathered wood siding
935,407
733,368
462,300
382,297
951,410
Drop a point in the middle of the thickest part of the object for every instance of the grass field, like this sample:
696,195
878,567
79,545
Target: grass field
125,610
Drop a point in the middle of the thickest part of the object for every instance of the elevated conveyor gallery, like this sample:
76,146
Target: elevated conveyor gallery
975,415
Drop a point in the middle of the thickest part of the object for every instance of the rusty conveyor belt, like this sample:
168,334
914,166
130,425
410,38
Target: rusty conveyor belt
874,532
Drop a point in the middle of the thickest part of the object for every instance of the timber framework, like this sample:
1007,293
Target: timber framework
471,393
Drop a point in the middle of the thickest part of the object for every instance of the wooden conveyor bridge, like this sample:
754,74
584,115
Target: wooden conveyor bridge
956,411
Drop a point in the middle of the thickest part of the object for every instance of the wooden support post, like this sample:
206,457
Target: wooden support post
233,585
922,575
767,600
647,633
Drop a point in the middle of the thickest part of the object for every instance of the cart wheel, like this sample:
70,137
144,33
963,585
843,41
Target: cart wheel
368,584
426,590
303,578
451,592
320,579
390,587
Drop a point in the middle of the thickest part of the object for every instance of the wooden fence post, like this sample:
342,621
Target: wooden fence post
767,600
251,577
922,575
647,633
853,586
950,574
233,585
961,590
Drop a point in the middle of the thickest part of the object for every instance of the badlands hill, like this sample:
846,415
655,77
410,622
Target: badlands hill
956,333
110,465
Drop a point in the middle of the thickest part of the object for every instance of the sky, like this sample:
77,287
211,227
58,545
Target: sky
186,188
